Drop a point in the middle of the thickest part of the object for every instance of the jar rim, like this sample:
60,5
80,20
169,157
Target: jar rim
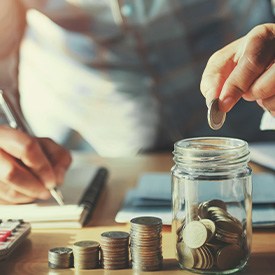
203,143
211,151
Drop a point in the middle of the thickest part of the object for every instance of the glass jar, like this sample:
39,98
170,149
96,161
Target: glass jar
212,205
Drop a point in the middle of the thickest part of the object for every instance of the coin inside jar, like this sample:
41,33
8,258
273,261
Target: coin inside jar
229,257
195,234
215,116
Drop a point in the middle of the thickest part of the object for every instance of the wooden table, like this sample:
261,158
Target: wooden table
31,257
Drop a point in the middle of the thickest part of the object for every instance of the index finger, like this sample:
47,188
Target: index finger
59,157
27,149
257,55
217,70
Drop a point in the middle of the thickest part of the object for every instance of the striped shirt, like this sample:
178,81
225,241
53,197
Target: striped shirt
124,74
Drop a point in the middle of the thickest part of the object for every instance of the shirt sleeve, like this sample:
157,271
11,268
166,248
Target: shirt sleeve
267,122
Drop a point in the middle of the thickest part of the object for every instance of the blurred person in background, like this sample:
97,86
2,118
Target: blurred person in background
117,77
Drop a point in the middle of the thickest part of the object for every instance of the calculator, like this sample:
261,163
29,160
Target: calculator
12,234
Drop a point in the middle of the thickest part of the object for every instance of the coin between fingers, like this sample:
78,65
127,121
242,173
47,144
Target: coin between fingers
215,116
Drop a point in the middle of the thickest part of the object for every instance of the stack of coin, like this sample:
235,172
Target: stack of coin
86,254
114,250
146,248
60,257
215,241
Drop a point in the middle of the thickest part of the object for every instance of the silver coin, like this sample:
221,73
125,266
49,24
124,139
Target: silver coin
115,235
147,221
57,266
60,250
87,244
215,116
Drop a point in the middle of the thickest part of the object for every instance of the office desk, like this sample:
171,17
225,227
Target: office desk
32,257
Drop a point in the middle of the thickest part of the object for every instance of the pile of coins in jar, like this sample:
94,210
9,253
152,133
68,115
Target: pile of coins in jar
112,252
215,241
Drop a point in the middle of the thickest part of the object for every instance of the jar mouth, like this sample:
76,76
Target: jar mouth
215,150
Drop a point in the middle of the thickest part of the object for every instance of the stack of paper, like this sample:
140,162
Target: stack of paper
152,196
263,153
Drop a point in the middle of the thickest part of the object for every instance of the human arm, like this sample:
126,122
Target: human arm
245,68
29,165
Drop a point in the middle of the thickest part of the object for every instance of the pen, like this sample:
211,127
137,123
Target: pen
16,121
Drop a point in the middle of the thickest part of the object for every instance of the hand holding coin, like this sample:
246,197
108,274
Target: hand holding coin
245,68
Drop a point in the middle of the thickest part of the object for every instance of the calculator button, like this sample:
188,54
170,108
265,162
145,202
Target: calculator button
3,238
8,233
4,235
12,233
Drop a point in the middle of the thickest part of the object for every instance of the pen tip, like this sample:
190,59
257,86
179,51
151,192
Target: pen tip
57,195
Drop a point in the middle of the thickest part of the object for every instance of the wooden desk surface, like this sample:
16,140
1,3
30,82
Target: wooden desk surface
32,257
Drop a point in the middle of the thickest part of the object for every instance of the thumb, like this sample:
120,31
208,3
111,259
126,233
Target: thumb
258,52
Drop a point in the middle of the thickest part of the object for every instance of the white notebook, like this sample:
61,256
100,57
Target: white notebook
80,190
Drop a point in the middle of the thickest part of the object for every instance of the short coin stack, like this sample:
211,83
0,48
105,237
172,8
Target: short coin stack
115,250
60,257
86,254
146,248
215,241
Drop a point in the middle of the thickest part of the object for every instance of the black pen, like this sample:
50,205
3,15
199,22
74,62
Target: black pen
16,121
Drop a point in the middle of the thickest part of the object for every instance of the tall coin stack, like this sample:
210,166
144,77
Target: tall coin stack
86,254
145,244
115,250
60,257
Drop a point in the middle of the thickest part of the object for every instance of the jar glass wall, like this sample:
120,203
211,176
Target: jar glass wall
212,206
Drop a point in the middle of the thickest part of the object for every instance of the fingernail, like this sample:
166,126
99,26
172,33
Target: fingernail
50,184
227,104
44,195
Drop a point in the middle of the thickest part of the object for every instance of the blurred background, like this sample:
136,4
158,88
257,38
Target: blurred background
122,77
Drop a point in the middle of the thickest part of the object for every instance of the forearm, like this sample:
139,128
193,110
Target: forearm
12,26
